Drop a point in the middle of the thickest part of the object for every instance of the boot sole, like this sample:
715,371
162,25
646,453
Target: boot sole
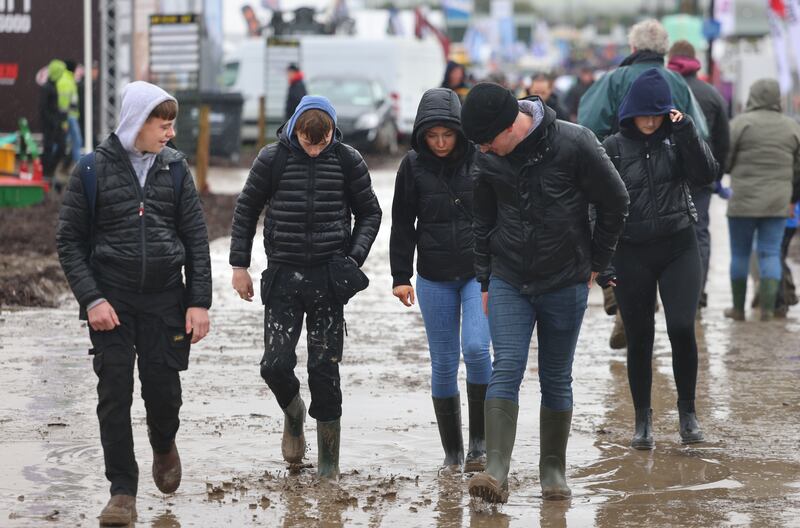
116,519
643,446
556,495
474,466
485,487
685,441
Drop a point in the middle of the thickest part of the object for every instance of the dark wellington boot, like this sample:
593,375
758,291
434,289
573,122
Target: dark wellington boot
768,293
293,444
643,434
119,511
609,301
167,470
476,452
328,434
554,429
448,417
739,292
690,429
500,417
618,340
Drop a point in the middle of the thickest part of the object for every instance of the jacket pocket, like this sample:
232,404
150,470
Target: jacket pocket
346,279
267,279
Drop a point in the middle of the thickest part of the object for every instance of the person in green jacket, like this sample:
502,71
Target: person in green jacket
600,104
68,103
764,164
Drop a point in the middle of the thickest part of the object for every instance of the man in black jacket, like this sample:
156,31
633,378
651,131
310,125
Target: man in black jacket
297,89
682,60
535,256
310,183
129,226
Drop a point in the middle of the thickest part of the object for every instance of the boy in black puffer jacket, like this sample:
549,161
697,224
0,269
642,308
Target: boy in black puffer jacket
310,183
130,225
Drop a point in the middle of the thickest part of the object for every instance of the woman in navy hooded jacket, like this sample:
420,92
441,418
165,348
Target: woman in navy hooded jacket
432,213
659,154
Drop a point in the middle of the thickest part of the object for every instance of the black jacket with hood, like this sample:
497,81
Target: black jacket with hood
658,169
531,208
308,218
142,237
443,234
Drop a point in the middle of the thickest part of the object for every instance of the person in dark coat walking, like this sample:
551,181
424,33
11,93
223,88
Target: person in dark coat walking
582,84
52,120
297,89
455,78
312,185
659,153
535,257
682,60
125,251
432,214
542,86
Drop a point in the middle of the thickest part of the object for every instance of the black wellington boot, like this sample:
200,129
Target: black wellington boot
476,452
643,434
690,429
448,417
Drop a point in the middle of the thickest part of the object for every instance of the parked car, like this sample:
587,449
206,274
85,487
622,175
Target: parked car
364,111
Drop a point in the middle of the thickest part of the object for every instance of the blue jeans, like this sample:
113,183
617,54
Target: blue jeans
769,234
512,317
448,306
75,139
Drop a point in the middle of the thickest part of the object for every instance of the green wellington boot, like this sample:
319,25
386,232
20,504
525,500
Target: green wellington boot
768,293
448,417
553,435
293,444
476,452
739,291
500,417
328,434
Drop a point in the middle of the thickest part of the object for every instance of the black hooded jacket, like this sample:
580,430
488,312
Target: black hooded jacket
142,238
658,169
308,218
442,235
532,209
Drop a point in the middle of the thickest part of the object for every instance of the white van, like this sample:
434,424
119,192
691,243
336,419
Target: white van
405,68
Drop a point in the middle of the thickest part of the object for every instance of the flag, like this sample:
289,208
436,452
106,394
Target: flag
779,42
457,9
793,28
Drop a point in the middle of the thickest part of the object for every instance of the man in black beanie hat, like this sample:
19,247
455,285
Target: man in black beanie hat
535,257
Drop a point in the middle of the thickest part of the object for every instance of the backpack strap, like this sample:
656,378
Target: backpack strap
347,166
277,167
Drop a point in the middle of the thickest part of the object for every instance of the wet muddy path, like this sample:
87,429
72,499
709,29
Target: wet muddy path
746,474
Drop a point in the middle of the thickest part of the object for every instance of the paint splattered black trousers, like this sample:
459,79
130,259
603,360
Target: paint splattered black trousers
289,293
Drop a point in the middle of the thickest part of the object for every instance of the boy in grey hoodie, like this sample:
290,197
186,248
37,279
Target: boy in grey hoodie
130,226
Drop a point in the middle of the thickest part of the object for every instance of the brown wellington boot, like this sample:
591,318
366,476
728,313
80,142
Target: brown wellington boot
293,444
167,470
618,339
119,511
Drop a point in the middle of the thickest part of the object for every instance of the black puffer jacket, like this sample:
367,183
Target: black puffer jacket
532,209
141,242
309,215
443,233
657,171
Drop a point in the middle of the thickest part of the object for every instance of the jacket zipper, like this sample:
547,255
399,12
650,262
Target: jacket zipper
309,206
650,182
456,211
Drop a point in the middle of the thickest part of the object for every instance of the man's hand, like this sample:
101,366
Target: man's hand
485,302
102,317
593,278
405,293
243,284
197,323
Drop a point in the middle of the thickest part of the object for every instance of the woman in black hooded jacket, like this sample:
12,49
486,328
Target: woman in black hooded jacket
432,213
658,154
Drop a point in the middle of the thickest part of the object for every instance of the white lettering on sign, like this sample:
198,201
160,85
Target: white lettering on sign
15,23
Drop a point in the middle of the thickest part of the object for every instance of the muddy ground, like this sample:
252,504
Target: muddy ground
746,474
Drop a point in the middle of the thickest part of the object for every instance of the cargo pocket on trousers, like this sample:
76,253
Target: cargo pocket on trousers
267,279
97,360
176,351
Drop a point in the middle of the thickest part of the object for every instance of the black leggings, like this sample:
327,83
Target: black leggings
673,264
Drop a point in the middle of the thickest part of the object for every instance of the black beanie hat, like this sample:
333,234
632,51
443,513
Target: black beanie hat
488,110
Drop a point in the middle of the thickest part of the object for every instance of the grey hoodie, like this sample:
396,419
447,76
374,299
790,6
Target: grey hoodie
764,160
139,98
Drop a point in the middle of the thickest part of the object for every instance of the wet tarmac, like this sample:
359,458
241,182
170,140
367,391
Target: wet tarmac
746,474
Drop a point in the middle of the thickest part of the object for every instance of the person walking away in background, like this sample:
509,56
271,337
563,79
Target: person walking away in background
130,226
312,184
682,60
583,82
297,89
659,153
53,120
68,103
787,295
535,257
432,214
764,164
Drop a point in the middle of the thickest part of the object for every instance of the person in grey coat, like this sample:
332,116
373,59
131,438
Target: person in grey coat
764,164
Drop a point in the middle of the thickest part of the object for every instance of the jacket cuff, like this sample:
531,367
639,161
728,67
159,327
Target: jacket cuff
484,285
95,302
401,281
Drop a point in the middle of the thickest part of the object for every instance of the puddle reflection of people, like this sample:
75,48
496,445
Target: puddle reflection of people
553,514
165,520
448,504
658,152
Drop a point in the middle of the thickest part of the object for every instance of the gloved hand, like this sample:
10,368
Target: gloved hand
724,192
607,278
